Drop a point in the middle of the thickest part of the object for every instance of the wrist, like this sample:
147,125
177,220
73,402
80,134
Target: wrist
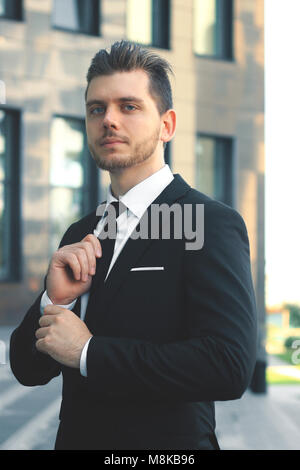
46,300
57,301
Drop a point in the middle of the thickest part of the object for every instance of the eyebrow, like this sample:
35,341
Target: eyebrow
124,99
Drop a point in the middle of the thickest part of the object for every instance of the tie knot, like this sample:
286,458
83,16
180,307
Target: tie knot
115,209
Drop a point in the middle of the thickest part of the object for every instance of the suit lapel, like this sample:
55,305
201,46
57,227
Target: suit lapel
134,249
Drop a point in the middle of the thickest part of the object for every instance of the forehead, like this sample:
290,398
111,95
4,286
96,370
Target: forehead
120,84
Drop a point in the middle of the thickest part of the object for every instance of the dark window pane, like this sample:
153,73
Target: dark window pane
168,154
67,146
214,168
73,176
2,7
160,23
148,22
4,203
213,23
65,208
77,15
11,9
9,195
3,251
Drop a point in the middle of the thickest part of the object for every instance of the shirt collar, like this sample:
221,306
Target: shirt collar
138,198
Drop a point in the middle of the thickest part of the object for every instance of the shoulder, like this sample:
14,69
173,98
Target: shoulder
213,209
219,222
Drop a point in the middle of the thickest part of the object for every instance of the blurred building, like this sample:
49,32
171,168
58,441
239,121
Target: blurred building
48,179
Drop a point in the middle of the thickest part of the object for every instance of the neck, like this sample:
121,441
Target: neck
126,178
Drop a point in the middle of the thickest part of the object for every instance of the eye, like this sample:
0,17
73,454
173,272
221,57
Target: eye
129,107
97,110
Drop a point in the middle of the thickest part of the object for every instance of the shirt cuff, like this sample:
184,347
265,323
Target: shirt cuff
45,300
83,368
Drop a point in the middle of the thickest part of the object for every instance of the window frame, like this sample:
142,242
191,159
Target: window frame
14,238
161,9
224,34
14,10
91,188
157,7
168,154
97,17
230,168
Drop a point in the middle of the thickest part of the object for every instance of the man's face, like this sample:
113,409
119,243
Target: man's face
122,120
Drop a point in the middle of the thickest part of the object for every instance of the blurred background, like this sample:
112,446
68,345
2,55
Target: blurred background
236,92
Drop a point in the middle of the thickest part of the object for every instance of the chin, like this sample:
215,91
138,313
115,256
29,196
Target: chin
114,162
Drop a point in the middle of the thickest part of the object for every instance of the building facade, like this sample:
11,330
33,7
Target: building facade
47,177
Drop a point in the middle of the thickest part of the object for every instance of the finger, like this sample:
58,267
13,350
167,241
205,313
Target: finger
72,261
41,345
84,263
42,332
90,253
49,311
95,243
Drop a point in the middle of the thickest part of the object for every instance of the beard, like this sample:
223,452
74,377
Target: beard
113,160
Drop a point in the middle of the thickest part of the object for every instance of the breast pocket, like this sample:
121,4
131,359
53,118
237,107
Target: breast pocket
147,268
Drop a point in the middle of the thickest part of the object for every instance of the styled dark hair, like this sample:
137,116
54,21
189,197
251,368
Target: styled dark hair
127,56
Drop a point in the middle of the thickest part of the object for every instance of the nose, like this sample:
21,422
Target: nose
110,119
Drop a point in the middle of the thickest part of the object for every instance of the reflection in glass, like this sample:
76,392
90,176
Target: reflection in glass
2,7
66,175
2,244
65,208
213,28
66,153
205,12
76,15
214,168
9,195
3,251
139,21
65,14
2,146
205,154
11,9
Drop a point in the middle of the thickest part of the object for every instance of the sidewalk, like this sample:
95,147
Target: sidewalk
268,421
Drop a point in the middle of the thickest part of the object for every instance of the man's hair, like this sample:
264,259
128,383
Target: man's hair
125,56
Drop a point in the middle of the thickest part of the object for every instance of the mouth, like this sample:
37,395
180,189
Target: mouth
111,142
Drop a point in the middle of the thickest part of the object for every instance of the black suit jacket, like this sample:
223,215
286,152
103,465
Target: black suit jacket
166,344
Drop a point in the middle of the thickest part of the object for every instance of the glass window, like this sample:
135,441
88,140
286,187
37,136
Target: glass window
214,168
73,176
213,22
9,195
148,22
168,154
77,15
11,9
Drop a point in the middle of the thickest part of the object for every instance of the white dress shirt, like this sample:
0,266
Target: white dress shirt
137,200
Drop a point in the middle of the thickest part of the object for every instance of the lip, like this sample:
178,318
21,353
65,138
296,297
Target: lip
111,143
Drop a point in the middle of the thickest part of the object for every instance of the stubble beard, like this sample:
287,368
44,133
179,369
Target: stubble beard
112,161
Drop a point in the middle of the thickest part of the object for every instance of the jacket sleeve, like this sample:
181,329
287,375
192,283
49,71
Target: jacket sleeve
30,366
216,360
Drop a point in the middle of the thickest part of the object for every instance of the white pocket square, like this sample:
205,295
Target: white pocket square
148,268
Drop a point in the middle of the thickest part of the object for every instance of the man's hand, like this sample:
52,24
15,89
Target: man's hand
62,335
71,270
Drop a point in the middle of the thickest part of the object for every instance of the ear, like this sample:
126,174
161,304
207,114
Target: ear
168,120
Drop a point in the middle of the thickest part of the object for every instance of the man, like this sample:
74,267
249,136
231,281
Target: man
148,337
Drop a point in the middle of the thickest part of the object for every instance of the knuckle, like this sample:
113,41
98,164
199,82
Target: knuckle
89,238
72,257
